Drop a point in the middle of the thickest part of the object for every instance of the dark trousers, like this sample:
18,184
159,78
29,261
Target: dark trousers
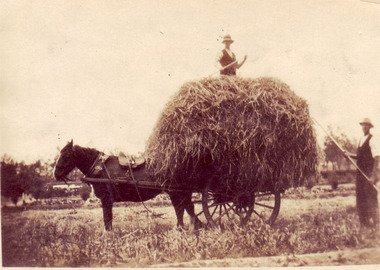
366,202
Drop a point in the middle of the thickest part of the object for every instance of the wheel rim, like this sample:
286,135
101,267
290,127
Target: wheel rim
267,206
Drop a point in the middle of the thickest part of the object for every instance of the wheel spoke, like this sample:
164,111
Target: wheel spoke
213,212
225,208
245,210
200,213
216,204
220,217
260,216
264,205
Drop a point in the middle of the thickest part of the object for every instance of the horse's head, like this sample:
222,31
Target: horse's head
65,163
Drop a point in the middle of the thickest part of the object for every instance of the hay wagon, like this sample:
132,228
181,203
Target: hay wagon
214,205
235,144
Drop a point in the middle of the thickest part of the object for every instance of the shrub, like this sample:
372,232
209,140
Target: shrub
84,192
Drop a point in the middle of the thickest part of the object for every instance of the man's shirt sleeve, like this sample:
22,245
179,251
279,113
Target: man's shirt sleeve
375,146
217,60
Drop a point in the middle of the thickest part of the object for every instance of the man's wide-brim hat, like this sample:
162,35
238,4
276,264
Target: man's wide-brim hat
366,121
227,38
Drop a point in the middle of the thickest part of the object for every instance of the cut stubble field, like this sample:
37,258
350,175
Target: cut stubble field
311,223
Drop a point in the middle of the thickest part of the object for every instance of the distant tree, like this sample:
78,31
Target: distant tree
19,178
85,192
11,186
332,152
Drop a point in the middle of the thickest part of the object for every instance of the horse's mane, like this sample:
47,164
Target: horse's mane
85,157
86,152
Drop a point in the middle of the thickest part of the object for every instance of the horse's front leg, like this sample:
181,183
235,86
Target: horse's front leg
103,193
107,214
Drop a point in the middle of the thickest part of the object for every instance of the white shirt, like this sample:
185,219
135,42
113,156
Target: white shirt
374,143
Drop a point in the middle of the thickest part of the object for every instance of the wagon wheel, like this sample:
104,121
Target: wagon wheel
220,208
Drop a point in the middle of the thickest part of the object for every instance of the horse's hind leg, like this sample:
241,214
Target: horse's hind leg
182,201
177,201
195,223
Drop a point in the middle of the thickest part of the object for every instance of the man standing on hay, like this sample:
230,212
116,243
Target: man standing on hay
368,160
227,60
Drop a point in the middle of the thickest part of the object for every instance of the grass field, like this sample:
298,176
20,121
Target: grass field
310,221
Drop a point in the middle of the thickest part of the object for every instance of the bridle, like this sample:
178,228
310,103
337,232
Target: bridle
67,179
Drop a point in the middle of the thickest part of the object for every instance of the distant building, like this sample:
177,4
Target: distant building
72,189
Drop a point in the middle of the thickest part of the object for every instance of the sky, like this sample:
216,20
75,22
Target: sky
100,72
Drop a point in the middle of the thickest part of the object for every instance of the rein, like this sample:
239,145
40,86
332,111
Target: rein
138,193
66,179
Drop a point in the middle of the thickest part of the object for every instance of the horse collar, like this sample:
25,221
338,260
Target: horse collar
98,164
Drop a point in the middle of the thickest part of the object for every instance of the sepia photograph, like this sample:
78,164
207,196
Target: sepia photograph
190,134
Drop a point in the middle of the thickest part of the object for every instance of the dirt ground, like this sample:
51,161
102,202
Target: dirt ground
369,257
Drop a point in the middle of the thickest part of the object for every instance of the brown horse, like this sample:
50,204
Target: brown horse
86,159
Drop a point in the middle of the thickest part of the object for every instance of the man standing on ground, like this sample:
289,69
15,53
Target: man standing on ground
227,60
368,160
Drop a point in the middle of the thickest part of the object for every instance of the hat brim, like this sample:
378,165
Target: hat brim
366,124
228,41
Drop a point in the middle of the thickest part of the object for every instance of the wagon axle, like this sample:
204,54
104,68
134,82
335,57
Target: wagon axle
244,199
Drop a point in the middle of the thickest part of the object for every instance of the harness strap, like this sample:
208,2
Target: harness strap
92,168
111,180
113,184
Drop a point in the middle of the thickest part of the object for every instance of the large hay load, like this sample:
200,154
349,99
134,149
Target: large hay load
254,134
